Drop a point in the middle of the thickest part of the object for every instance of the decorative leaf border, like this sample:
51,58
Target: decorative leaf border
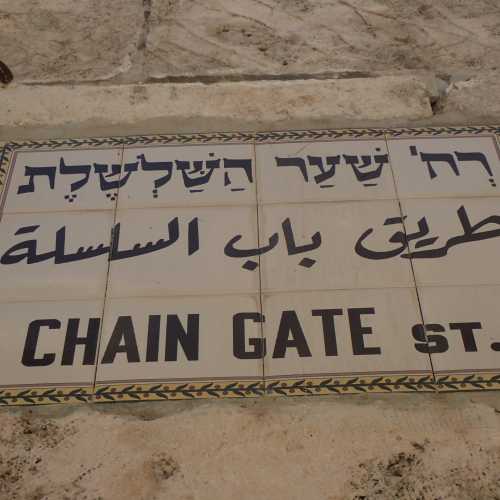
465,130
68,143
247,137
44,395
314,135
467,382
4,161
195,138
307,386
187,390
132,140
351,385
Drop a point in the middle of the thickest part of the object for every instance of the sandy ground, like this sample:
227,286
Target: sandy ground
324,448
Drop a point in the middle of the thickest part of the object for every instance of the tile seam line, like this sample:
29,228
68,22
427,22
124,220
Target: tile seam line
60,385
189,380
242,205
255,293
261,326
208,79
104,300
451,197
264,293
250,293
381,200
415,286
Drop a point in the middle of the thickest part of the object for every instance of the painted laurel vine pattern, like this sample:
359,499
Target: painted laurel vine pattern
132,140
38,396
470,382
175,391
297,135
435,131
4,160
246,137
356,384
109,393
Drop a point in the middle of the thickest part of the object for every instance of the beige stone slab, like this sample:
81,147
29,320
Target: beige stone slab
54,256
54,40
179,340
38,348
452,241
339,333
62,180
180,267
324,171
463,328
50,111
215,174
224,37
446,166
334,263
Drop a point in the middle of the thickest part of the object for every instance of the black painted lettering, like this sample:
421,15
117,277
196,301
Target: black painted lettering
467,332
189,338
258,344
29,353
153,343
329,335
89,341
122,340
429,343
358,331
290,325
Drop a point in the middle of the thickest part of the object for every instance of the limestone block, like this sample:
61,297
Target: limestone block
69,40
227,37
37,111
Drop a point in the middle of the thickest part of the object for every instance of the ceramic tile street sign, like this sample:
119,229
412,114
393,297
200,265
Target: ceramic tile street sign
249,264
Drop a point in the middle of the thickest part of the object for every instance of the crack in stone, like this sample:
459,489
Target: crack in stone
213,79
250,77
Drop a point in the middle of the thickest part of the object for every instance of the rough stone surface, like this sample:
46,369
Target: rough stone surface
308,36
480,93
69,40
443,447
135,40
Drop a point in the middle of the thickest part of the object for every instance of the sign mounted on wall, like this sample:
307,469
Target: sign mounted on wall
250,264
